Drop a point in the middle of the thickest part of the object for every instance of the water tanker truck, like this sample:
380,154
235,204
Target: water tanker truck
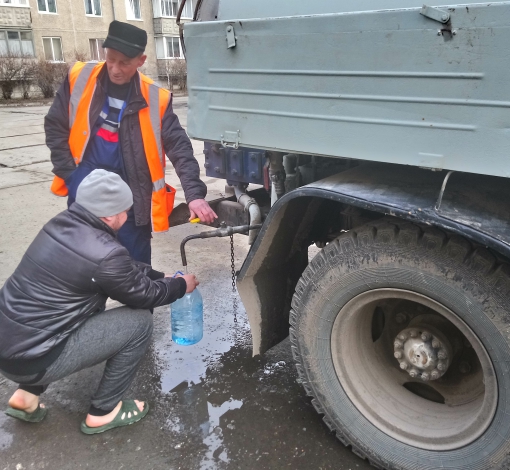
379,131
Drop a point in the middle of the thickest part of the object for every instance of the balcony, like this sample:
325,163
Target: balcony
165,27
14,17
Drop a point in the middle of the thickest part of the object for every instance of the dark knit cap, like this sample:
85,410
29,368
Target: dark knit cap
126,38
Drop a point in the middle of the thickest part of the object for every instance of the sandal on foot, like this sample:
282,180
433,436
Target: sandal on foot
35,417
129,413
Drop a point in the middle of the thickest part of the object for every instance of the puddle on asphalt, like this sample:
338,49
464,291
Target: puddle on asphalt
189,363
180,364
214,440
206,419
200,417
184,370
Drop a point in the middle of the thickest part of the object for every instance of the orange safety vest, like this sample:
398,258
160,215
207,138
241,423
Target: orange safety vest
83,81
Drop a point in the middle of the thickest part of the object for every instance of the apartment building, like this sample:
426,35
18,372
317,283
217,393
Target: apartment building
68,30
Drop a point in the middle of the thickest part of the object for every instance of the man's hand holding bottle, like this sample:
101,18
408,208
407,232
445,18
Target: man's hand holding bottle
191,280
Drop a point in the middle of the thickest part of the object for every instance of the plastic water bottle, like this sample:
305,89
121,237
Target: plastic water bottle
187,315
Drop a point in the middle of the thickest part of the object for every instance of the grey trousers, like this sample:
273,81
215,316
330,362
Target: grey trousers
119,336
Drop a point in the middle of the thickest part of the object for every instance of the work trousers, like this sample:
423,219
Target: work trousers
136,238
119,336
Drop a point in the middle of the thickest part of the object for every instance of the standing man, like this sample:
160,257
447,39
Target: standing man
110,116
52,309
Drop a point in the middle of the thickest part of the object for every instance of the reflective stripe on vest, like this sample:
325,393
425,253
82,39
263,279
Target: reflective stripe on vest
77,86
82,81
150,124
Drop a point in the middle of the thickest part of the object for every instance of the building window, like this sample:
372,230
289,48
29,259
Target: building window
93,7
169,8
168,48
18,43
96,49
47,6
134,11
14,2
53,49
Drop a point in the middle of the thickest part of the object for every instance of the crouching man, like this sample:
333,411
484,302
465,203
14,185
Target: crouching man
52,309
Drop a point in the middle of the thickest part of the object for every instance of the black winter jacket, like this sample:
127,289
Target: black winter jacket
74,264
176,144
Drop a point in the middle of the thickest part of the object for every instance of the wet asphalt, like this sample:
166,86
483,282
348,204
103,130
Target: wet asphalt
212,405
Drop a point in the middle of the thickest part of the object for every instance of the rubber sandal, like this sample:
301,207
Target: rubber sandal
129,413
35,417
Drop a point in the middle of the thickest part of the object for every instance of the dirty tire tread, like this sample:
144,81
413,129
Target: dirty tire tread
317,406
401,234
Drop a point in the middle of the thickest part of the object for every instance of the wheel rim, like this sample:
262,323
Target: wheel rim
401,406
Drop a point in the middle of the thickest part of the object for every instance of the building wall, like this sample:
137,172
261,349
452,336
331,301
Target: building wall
75,28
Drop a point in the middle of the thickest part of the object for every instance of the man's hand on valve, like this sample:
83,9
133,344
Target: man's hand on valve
201,209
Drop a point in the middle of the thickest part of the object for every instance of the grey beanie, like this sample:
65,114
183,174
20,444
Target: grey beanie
104,194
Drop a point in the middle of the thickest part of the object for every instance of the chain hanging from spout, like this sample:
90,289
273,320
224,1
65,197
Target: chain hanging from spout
223,231
234,290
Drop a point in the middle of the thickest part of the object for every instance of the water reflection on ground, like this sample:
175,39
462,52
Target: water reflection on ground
184,373
198,416
189,363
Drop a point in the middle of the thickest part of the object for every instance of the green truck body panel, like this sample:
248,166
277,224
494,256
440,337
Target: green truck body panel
386,84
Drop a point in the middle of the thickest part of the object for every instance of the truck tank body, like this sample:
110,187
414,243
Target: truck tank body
399,323
387,84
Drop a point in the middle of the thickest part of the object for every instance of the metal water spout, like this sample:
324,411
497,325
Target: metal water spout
223,231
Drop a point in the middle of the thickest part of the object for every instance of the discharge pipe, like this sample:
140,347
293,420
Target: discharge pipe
253,209
276,175
223,231
290,164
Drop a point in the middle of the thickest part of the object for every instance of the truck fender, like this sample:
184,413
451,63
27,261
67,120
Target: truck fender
476,207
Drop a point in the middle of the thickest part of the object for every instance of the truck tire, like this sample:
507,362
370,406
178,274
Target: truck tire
401,335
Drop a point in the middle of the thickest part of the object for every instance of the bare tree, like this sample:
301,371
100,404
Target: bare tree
81,56
175,72
26,76
49,75
179,73
168,74
61,70
10,68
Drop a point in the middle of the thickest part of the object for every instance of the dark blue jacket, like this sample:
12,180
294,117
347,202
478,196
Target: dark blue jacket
176,144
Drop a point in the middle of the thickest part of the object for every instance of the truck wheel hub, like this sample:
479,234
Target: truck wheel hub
422,354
